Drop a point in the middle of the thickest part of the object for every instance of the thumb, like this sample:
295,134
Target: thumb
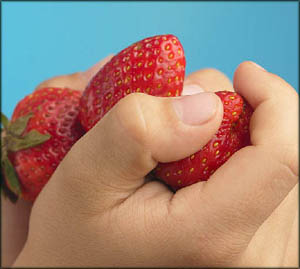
109,163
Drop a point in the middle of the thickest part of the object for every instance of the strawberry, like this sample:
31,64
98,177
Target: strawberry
44,126
233,134
155,65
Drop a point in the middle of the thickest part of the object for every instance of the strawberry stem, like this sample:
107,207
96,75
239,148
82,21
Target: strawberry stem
10,175
6,192
17,127
4,121
12,140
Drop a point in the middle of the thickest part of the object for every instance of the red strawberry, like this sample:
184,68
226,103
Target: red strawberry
154,65
44,126
232,135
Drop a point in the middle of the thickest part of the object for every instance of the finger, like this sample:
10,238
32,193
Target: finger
276,103
244,191
111,160
209,80
75,81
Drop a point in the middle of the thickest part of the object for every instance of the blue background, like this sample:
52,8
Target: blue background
44,39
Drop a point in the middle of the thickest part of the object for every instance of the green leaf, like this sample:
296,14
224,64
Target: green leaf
10,176
31,139
4,121
18,126
7,193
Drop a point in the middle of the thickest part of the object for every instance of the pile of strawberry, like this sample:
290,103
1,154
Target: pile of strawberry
47,123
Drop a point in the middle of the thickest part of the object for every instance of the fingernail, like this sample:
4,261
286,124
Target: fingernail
191,89
258,66
196,109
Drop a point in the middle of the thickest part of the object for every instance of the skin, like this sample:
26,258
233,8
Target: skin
102,212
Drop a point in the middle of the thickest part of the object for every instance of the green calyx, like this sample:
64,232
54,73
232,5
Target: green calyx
9,180
13,140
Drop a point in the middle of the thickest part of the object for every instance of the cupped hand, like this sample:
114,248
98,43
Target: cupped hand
99,210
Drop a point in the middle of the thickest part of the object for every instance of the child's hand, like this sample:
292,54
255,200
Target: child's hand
98,209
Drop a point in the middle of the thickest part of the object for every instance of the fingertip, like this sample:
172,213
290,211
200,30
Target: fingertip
210,80
244,66
93,70
257,85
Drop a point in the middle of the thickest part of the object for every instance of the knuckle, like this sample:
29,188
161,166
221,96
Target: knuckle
75,76
288,158
43,84
51,82
282,170
130,115
207,72
73,81
284,179
292,161
211,79
213,72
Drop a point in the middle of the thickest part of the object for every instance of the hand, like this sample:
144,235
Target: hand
15,217
98,209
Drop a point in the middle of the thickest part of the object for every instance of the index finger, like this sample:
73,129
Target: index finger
209,80
275,103
245,190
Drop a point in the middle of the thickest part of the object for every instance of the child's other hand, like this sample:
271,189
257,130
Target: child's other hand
98,210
